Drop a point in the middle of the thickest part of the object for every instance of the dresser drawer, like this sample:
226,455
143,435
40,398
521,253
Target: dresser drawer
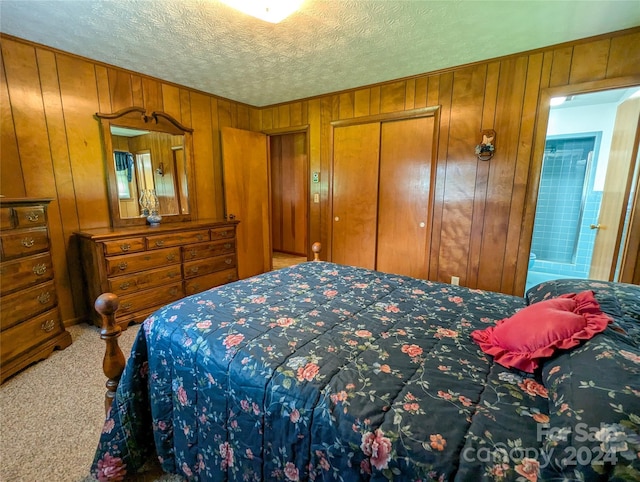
132,263
201,283
208,265
207,250
24,272
22,337
223,233
22,305
24,243
145,279
147,298
30,216
6,218
122,246
177,239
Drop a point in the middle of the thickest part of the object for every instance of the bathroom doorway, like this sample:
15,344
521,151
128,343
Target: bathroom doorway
581,139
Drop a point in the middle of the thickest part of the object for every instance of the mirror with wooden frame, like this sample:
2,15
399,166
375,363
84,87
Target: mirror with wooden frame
147,154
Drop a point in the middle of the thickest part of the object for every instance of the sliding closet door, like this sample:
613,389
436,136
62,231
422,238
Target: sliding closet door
404,193
356,151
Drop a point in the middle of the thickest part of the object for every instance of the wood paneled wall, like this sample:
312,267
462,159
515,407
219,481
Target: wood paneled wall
50,142
50,145
481,224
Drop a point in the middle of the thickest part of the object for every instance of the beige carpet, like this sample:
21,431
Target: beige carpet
51,414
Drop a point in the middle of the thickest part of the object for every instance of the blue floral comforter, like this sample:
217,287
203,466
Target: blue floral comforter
328,372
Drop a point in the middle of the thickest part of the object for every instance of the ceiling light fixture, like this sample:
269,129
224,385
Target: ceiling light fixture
273,11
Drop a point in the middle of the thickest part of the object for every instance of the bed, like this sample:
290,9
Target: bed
329,372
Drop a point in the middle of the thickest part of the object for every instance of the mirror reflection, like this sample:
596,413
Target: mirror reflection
151,171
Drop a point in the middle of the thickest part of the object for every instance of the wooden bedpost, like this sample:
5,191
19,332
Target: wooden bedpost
113,363
316,248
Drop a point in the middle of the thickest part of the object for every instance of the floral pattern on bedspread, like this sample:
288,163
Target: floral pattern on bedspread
324,372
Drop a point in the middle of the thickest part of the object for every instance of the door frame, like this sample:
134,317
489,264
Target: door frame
535,166
307,168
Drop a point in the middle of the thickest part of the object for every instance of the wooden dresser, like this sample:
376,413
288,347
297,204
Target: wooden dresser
30,323
148,267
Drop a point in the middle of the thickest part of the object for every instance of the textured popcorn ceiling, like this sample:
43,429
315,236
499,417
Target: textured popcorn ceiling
327,46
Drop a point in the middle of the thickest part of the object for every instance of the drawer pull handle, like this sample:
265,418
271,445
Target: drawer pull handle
228,260
223,234
173,291
230,277
28,242
200,237
125,285
40,269
48,325
192,253
160,244
195,287
171,257
227,245
126,306
122,266
33,217
194,269
43,298
125,247
173,274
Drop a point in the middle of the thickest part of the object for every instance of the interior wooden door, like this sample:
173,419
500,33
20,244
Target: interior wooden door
246,190
404,194
289,193
617,187
356,151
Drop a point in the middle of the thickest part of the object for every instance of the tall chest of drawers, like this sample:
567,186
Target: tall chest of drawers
148,267
30,323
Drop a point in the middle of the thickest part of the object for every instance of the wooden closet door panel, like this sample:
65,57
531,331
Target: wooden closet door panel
403,210
356,152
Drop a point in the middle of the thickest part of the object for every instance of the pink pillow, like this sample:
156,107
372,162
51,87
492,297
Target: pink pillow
540,329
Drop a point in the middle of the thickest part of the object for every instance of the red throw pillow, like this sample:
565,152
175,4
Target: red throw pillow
538,330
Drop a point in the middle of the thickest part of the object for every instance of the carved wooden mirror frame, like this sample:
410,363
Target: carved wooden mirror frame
139,118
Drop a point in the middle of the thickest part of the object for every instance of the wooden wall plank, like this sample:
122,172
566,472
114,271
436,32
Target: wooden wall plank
362,99
445,88
80,102
624,55
433,90
121,90
63,215
482,175
392,97
347,101
171,100
501,173
152,95
11,174
137,91
374,99
410,94
203,154
521,175
589,61
460,172
23,82
420,98
561,66
185,107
